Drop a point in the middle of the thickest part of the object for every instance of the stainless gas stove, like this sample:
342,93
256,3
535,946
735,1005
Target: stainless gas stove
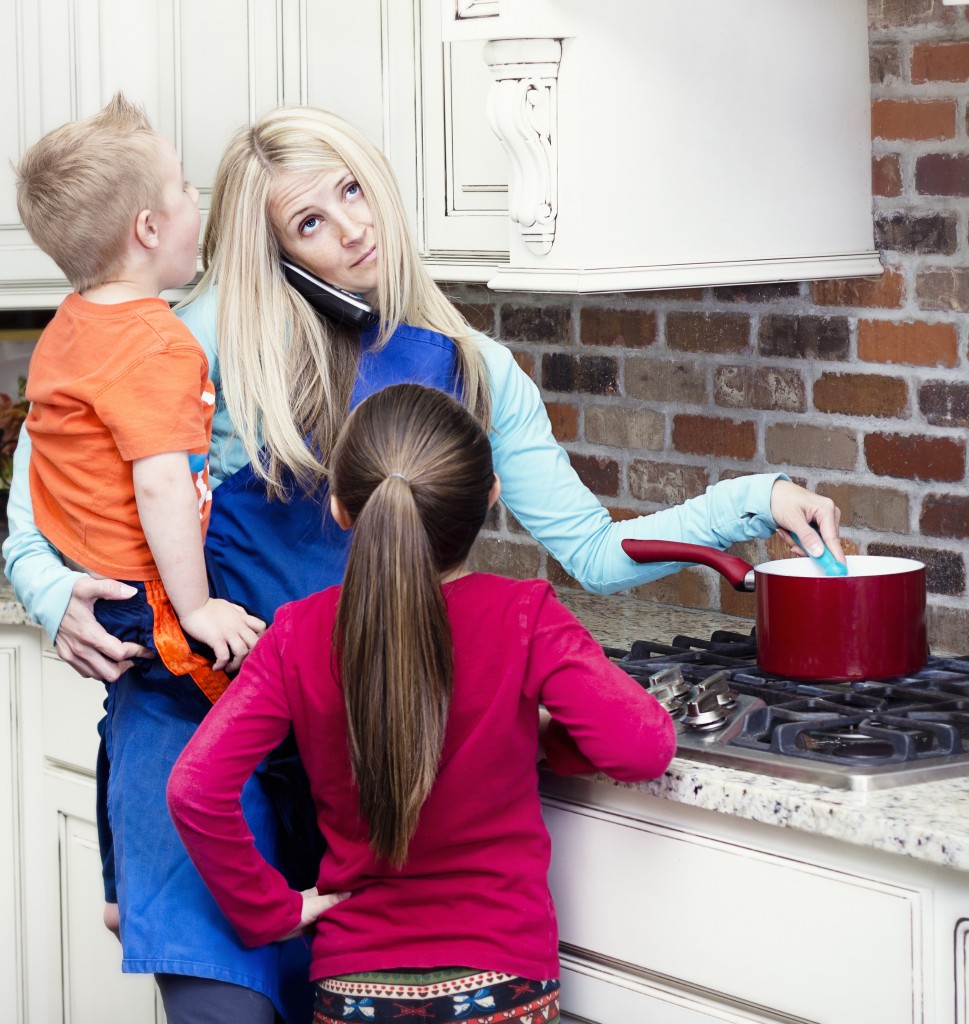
845,735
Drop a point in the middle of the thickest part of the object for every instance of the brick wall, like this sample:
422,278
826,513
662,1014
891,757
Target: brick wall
858,389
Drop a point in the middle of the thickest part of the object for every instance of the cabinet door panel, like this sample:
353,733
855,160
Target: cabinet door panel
790,924
95,991
72,710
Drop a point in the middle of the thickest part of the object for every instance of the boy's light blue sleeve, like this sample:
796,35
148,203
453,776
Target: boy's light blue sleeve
41,581
539,485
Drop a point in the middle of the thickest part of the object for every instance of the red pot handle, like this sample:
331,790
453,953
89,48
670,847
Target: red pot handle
736,571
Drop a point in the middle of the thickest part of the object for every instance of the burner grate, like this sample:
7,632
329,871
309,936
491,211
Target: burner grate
861,735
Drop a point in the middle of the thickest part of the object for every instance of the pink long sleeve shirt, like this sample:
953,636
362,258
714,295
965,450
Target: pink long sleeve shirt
474,891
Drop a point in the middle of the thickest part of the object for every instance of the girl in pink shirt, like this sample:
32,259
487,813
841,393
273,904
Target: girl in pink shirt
413,691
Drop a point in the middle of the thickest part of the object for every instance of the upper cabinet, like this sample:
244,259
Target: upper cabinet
553,145
653,144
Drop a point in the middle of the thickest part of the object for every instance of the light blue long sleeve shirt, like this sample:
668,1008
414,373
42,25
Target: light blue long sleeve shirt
539,486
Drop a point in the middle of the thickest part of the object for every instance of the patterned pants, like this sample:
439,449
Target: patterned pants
444,996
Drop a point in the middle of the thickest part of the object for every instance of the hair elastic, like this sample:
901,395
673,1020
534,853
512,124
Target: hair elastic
401,475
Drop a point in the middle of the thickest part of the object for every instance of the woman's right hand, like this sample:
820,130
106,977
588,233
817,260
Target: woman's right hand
84,643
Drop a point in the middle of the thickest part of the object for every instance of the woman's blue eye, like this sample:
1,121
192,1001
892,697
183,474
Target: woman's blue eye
353,190
308,224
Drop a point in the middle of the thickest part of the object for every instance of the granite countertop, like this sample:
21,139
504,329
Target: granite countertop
928,821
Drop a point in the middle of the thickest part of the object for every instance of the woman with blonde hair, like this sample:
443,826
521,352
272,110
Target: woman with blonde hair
301,185
414,691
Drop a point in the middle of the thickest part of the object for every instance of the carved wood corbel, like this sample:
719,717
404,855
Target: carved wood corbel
522,112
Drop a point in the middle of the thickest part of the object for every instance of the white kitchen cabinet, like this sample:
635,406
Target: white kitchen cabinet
200,69
83,964
59,965
961,945
676,915
655,144
547,145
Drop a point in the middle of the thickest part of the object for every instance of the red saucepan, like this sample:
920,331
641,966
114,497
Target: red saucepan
869,624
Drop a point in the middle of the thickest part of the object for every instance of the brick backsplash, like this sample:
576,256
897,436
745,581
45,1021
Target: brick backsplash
856,388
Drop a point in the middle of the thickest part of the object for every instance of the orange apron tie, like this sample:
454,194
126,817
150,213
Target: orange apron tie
173,648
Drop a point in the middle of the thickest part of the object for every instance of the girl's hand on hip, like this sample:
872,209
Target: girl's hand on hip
314,906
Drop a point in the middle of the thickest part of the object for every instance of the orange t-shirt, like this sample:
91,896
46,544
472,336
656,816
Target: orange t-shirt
109,384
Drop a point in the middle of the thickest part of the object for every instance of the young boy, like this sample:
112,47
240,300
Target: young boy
121,410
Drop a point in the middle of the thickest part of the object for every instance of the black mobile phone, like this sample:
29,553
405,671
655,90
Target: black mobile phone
341,307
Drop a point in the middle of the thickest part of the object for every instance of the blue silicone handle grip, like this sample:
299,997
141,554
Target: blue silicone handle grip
828,564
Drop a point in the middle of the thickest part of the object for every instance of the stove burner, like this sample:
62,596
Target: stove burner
860,735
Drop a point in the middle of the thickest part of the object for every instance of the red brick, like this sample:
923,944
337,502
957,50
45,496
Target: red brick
942,174
481,317
596,375
526,361
601,476
913,457
615,426
664,483
520,560
945,515
940,62
943,288
564,419
660,380
627,328
870,508
884,14
948,628
806,445
762,387
716,332
910,342
884,62
886,176
944,403
913,119
885,292
861,394
537,324
945,571
688,588
708,435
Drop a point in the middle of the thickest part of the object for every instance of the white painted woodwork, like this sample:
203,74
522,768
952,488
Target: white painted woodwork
962,971
759,930
670,144
667,913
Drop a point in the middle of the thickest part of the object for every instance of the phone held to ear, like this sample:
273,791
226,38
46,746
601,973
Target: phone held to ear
342,308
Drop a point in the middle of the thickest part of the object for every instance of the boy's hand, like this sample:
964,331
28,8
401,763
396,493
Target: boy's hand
227,628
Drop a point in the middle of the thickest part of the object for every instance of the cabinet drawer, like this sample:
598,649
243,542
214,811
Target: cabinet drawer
714,917
72,710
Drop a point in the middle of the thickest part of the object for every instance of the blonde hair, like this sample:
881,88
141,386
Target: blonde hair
287,375
413,469
81,187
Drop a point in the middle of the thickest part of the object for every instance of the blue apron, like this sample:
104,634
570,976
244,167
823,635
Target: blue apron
261,554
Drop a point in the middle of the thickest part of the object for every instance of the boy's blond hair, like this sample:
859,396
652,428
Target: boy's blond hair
81,187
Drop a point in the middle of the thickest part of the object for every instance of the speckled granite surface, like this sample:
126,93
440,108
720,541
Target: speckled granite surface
929,821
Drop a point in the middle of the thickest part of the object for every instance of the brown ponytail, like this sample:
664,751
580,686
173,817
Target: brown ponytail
412,468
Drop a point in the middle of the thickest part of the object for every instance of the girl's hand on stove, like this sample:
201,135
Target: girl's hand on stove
800,511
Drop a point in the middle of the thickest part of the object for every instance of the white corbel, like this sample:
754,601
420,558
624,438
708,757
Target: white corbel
476,9
522,112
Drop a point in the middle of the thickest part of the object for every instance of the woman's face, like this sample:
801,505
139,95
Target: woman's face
323,222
